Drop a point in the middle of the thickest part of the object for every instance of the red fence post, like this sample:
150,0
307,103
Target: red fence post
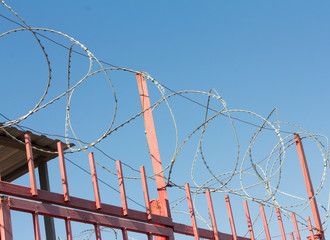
295,226
29,155
264,220
231,218
95,182
36,226
68,229
310,228
291,236
125,235
309,186
248,219
211,210
63,172
5,220
97,232
279,217
122,187
145,192
192,212
153,145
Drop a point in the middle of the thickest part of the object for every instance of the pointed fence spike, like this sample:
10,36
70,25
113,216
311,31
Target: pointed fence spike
264,220
122,187
29,155
63,172
248,219
192,212
145,192
231,218
95,181
280,222
211,210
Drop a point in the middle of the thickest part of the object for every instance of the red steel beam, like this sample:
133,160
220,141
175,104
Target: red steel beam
36,226
153,145
95,181
310,228
29,155
5,220
309,186
122,188
68,229
145,192
125,235
192,212
211,210
248,219
87,217
296,229
231,217
63,172
264,220
280,222
291,236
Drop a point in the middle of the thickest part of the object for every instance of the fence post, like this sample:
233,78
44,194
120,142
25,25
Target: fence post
211,210
95,182
63,172
309,186
231,218
192,212
29,155
248,219
5,220
280,222
264,220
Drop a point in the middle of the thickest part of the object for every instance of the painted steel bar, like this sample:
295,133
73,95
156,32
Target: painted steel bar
95,181
231,217
153,145
310,228
248,219
30,161
145,192
36,226
122,187
6,232
97,232
280,222
63,172
309,186
291,236
88,217
296,229
192,212
150,236
79,203
68,229
211,210
264,220
124,233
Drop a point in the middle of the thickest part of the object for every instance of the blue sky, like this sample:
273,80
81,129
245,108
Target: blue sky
258,55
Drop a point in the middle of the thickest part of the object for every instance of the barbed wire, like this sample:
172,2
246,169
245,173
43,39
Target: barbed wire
266,172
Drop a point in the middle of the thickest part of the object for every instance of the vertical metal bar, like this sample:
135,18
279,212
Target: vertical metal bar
95,182
153,145
29,155
5,220
291,236
192,212
122,187
63,172
211,210
97,232
310,228
36,226
125,235
150,237
309,186
68,229
145,192
296,229
280,222
264,220
44,185
231,218
248,219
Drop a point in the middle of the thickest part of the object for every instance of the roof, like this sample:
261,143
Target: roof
13,161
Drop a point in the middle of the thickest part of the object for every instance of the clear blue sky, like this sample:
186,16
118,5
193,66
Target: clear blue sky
257,54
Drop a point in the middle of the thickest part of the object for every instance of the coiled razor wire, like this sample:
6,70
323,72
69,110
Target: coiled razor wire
216,182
